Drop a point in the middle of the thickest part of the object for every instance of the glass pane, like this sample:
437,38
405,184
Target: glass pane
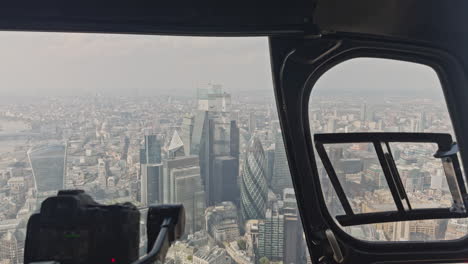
149,120
422,175
360,174
381,95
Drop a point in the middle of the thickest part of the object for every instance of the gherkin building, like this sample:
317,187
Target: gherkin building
254,189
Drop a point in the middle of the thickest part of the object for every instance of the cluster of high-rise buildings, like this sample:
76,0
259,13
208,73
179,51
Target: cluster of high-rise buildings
223,158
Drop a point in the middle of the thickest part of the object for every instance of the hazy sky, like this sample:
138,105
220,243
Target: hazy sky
81,64
373,76
69,64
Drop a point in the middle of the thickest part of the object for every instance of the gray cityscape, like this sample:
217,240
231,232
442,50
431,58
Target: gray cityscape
221,154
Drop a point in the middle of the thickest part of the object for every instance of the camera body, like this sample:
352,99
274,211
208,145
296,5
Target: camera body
72,228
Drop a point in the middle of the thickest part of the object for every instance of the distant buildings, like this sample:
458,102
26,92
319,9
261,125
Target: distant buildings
48,166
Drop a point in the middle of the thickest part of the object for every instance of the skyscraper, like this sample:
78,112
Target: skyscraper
186,133
201,144
252,122
281,176
331,125
103,168
363,112
188,190
293,241
176,146
48,166
254,189
270,236
151,184
151,153
234,140
225,172
213,98
168,181
270,156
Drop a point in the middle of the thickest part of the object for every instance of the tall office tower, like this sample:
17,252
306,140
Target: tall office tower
187,131
281,175
125,143
48,166
225,173
422,122
188,190
151,153
293,251
270,236
214,134
274,127
331,125
151,184
363,112
9,248
201,145
270,156
176,146
234,139
213,98
252,122
102,172
221,135
254,189
168,166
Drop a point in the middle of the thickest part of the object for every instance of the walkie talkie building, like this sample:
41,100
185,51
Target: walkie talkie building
48,166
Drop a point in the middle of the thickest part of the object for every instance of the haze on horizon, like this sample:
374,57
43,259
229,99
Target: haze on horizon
80,64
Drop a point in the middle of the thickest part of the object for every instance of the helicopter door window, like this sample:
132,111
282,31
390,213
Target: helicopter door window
386,151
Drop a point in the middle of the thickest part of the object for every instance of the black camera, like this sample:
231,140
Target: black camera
72,228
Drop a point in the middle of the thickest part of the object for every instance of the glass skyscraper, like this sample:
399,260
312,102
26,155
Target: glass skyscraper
151,184
254,188
281,176
151,153
48,166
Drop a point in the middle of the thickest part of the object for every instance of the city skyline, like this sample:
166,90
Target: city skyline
215,145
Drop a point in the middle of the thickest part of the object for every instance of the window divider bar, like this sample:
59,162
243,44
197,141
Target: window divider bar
389,176
396,175
334,179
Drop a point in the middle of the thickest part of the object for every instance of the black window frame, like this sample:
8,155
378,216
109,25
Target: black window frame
447,152
433,58
297,66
